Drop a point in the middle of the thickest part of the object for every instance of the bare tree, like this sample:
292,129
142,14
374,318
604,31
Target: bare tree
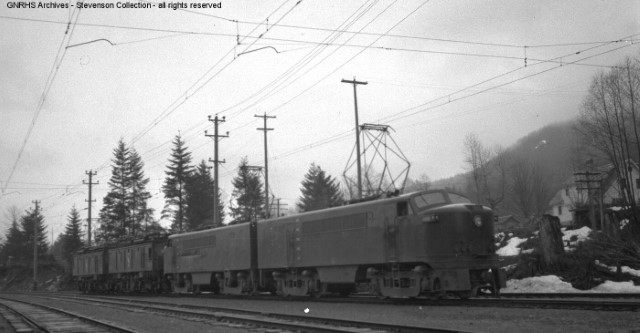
488,169
609,122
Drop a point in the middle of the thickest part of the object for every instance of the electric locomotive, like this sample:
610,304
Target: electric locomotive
425,243
133,265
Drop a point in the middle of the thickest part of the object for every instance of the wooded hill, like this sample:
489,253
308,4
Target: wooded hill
522,179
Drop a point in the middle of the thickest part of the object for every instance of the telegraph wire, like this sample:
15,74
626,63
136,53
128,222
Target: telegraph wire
352,19
297,41
350,59
344,31
187,94
449,99
349,132
62,51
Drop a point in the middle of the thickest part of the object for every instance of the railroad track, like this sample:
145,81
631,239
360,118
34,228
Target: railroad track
27,317
572,295
599,302
252,319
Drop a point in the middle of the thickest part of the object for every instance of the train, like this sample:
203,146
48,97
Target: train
428,243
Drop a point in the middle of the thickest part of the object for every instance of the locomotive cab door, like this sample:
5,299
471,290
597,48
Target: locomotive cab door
395,216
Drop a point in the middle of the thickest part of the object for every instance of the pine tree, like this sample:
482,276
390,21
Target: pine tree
72,237
113,214
248,194
124,208
319,191
30,222
137,194
177,175
199,211
14,245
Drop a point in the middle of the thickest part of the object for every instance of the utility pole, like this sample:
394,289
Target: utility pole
90,183
278,205
35,247
255,169
355,101
591,182
266,164
216,161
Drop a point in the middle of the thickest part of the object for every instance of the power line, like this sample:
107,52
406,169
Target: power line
49,83
352,19
177,32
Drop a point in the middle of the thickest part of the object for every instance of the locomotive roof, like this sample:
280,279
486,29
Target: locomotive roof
351,206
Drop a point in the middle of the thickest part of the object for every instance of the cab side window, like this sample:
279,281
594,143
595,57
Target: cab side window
402,208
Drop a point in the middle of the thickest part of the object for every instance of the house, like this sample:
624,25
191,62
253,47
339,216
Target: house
575,193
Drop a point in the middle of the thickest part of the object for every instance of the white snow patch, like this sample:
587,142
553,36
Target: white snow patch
511,249
539,284
553,284
616,287
582,234
624,269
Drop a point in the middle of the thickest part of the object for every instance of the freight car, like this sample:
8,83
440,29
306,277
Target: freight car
425,243
134,265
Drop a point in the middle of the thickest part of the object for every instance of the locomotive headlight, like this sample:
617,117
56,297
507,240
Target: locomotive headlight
477,220
430,218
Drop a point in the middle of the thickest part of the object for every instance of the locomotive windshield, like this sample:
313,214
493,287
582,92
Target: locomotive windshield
437,198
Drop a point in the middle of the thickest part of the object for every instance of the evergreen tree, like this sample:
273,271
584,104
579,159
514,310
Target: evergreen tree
137,195
72,237
14,245
248,194
30,222
124,208
178,173
199,211
319,190
113,214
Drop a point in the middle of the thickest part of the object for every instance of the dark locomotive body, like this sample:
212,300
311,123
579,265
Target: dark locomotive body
90,268
426,243
128,266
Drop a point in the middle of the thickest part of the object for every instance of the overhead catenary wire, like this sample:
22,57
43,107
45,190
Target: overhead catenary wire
45,93
390,119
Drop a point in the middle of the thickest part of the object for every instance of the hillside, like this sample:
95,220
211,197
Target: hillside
553,150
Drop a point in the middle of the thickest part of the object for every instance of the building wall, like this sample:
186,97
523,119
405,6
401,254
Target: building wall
563,203
613,192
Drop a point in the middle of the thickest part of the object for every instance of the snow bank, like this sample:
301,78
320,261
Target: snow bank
616,287
553,284
539,284
511,249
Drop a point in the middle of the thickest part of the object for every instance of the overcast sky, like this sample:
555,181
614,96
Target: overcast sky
436,71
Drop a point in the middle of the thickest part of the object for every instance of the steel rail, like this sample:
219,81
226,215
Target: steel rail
260,318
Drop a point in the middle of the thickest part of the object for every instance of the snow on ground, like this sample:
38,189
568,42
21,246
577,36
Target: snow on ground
572,237
511,249
624,269
553,284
